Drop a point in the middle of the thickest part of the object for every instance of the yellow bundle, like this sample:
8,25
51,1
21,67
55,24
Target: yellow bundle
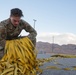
19,58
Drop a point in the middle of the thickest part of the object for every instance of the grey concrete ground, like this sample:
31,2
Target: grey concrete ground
60,63
58,72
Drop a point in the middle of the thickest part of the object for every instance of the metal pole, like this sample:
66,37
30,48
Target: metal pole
52,43
34,22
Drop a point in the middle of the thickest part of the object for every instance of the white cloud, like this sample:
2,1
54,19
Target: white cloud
59,38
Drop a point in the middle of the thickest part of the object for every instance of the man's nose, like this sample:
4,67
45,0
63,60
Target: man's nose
16,23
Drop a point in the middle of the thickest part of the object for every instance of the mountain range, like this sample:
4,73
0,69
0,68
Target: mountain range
45,47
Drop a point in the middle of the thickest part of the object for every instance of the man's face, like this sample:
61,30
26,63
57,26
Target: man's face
15,20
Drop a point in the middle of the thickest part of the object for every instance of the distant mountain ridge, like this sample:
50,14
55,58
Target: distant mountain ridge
45,47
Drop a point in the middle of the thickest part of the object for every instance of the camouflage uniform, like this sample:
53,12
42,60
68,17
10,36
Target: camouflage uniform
10,32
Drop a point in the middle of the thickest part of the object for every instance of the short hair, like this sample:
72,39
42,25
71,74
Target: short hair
16,12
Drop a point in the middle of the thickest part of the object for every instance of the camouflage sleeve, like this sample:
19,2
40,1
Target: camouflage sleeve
2,36
28,28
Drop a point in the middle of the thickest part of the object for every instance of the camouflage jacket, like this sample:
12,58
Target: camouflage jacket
12,32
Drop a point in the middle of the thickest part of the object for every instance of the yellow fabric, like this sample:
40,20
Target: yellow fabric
19,58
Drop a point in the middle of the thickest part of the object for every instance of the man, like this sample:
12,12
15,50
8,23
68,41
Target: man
12,27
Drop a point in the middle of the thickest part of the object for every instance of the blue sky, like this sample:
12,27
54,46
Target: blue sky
53,16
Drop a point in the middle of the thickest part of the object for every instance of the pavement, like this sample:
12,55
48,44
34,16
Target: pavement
67,66
58,72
